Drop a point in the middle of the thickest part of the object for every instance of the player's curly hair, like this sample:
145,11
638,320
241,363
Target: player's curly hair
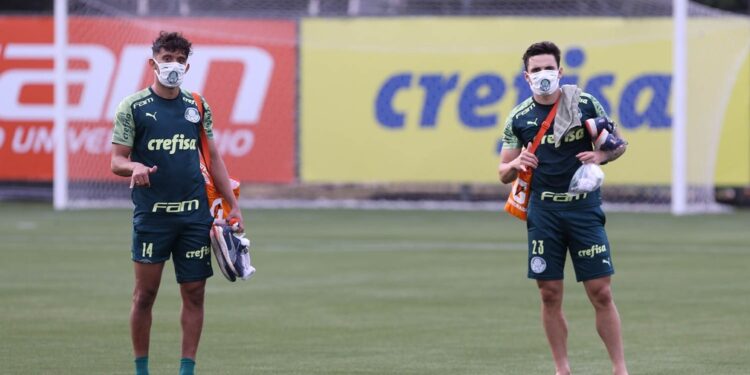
541,48
171,41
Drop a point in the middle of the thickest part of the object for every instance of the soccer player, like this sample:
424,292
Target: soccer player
559,222
156,143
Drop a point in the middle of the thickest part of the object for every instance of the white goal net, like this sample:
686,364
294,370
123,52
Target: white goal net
319,101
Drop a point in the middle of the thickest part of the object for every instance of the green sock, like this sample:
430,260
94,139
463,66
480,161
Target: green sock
141,366
187,366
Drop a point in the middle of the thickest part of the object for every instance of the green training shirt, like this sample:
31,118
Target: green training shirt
165,133
556,165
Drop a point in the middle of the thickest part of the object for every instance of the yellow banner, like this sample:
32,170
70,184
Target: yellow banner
420,100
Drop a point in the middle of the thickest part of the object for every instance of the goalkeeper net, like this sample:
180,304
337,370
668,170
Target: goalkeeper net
355,103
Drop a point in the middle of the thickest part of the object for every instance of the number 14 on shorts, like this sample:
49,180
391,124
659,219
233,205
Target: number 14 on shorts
148,249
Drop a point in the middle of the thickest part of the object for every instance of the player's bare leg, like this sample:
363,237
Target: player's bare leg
555,325
147,280
607,321
191,316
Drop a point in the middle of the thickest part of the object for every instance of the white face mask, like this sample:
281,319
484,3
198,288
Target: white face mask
170,74
544,82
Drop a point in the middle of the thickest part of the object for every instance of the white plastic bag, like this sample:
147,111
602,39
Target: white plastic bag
587,178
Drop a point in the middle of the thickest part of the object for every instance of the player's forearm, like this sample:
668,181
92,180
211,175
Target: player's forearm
122,166
612,155
510,163
507,173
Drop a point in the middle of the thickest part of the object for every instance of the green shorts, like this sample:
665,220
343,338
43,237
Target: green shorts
552,233
187,240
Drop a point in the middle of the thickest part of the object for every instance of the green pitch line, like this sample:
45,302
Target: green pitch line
374,292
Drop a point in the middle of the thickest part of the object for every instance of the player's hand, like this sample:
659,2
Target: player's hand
234,218
525,160
592,157
139,178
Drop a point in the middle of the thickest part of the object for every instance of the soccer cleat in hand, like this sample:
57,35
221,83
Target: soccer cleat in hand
232,253
602,132
608,143
596,125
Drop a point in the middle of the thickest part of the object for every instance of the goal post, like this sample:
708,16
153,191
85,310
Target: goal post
679,202
60,98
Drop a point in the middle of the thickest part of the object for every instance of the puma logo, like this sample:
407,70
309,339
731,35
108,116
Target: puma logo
607,262
151,115
533,122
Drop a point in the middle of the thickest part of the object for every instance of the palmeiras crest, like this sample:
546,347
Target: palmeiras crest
173,77
192,115
544,85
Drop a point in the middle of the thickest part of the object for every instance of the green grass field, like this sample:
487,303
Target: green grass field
374,292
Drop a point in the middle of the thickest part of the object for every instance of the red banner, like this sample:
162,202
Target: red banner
245,69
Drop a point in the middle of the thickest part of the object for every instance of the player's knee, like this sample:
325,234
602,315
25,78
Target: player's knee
143,299
193,296
193,299
601,297
551,296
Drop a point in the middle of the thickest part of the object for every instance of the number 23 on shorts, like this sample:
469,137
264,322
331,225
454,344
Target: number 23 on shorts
537,247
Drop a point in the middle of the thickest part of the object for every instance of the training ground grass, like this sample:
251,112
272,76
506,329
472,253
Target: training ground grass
374,292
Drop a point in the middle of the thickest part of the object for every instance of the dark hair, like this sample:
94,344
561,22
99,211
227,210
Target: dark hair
541,48
171,41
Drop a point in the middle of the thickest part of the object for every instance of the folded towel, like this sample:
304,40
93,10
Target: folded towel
568,114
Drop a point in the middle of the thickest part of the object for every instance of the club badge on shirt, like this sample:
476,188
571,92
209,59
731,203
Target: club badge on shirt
192,115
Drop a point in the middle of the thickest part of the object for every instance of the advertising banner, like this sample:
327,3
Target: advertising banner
423,100
246,70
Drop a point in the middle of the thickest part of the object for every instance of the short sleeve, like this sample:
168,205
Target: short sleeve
208,121
124,126
510,141
592,106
